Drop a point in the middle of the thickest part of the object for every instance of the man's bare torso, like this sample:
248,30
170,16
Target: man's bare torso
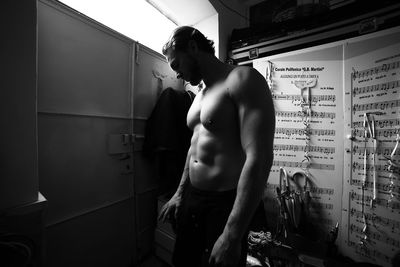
216,155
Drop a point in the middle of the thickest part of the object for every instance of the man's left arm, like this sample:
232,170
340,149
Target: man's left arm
257,126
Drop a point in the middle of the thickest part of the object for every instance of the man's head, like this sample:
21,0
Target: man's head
181,36
182,52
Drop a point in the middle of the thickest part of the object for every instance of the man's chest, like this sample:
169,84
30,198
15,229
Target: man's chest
213,109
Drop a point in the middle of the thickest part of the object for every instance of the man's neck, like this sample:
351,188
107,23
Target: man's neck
213,70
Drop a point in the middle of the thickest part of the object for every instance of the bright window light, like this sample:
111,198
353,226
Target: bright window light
135,19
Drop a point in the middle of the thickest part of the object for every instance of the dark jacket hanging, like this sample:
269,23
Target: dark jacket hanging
167,137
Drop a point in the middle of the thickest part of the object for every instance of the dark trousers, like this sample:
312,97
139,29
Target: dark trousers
200,223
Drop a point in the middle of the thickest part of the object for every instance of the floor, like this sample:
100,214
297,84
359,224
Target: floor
153,261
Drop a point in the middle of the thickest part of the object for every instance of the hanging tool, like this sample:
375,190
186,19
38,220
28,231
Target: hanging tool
302,198
367,131
287,201
302,85
284,222
333,234
286,196
375,141
392,168
293,201
364,238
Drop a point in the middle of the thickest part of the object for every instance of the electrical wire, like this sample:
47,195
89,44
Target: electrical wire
20,245
234,11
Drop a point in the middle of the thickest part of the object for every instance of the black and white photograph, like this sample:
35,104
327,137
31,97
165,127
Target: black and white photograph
200,133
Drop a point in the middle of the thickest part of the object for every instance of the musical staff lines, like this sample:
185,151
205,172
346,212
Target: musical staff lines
380,201
379,133
372,254
380,186
296,148
376,236
369,167
375,88
377,105
321,191
302,131
382,221
385,123
314,190
384,151
314,98
319,205
303,165
314,114
376,70
373,191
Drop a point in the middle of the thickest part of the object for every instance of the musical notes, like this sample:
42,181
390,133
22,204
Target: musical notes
377,236
292,164
376,87
314,114
375,219
374,93
375,71
380,186
369,167
302,131
377,105
320,205
338,166
369,253
314,190
380,201
321,191
380,151
387,133
295,148
314,98
385,123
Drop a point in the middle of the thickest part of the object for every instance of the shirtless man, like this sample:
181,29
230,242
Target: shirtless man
230,156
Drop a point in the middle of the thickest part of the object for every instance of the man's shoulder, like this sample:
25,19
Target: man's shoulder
242,77
241,70
244,74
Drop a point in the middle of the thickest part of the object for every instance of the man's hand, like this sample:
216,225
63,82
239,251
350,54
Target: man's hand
169,212
225,252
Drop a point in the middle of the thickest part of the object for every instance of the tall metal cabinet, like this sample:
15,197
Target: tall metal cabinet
96,89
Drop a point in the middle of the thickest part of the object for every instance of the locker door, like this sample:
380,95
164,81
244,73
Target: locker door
85,125
152,75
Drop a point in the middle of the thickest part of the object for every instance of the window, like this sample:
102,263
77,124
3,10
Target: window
135,19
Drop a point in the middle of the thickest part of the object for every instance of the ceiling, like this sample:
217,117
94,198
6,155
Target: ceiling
185,12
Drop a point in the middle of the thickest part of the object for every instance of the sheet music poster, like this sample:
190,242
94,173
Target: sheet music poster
339,83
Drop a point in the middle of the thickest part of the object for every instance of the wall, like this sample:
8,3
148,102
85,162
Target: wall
18,136
209,27
227,21
21,206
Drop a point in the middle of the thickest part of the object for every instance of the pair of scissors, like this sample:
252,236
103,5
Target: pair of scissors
369,132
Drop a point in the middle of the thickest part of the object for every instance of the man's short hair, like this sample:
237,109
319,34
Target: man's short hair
182,35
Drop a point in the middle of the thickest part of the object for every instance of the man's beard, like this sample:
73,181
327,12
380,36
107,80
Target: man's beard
195,76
